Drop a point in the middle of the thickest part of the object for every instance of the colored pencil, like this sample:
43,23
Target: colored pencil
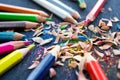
18,9
95,11
82,4
42,69
94,69
10,36
8,47
13,58
18,25
63,6
22,17
56,10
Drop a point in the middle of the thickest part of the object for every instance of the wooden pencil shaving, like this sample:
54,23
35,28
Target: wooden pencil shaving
109,9
107,52
116,52
118,75
64,23
48,27
91,28
59,63
65,57
68,54
105,27
99,53
73,64
119,64
39,57
109,23
38,30
81,65
101,23
115,19
102,10
105,19
46,41
34,65
50,22
57,38
52,72
37,39
81,76
78,58
105,46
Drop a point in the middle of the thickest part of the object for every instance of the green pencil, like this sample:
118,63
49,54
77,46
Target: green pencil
22,17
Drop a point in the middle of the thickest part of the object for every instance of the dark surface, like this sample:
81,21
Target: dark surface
20,71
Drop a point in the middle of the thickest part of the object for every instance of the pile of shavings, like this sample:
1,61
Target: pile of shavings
75,44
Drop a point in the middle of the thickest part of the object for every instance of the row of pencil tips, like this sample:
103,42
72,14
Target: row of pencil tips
19,18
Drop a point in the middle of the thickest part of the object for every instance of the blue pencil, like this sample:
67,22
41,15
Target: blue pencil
42,69
10,36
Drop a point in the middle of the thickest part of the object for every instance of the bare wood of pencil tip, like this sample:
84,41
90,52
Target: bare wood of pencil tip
41,19
30,25
76,15
60,4
12,8
70,19
17,44
90,58
18,36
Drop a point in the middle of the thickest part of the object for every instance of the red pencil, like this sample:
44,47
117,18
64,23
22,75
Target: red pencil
94,69
95,11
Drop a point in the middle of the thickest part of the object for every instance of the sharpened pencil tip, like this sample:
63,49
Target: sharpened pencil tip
27,42
31,46
75,22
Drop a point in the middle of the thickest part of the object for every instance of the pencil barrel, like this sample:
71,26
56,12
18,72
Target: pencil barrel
95,71
7,36
18,9
18,17
12,25
42,69
9,61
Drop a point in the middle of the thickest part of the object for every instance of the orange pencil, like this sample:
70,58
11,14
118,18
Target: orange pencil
12,8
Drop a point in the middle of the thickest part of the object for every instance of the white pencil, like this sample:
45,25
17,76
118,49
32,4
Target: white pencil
56,10
63,6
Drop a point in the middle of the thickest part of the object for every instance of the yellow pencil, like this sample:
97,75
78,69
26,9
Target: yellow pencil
13,58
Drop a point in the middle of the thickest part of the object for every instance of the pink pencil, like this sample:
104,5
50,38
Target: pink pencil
8,47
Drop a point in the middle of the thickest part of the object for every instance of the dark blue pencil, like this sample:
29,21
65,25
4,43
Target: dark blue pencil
42,69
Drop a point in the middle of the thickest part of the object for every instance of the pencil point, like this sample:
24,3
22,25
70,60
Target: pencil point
31,46
75,22
24,38
27,42
48,19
